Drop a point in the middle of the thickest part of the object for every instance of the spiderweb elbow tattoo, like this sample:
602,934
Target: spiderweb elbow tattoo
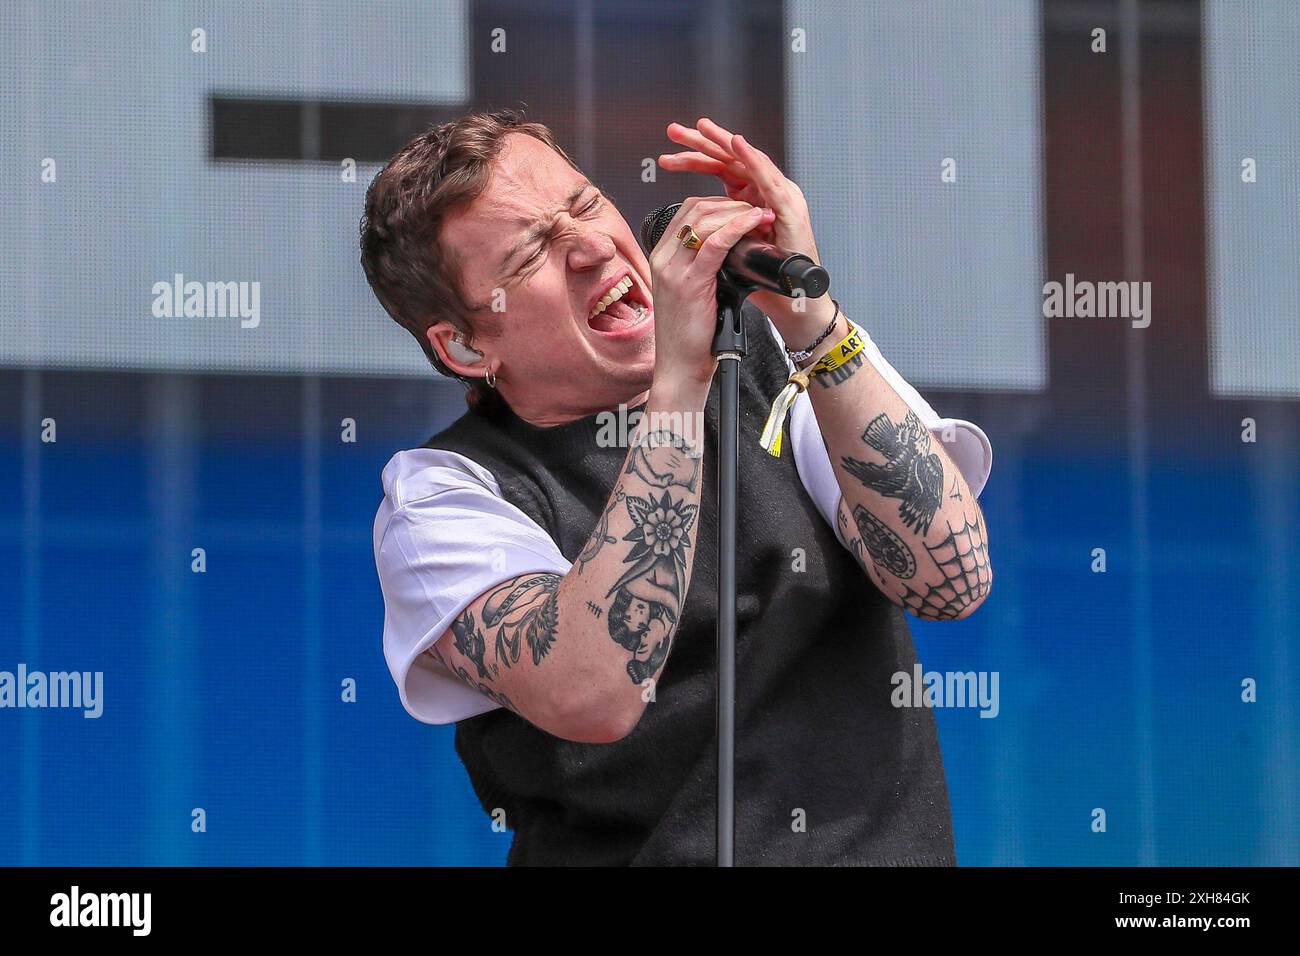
957,575
963,559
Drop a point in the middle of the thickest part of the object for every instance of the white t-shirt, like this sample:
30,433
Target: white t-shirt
444,534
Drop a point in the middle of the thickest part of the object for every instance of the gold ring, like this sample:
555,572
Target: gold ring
689,238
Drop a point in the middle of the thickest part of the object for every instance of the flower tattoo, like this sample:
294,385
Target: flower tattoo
663,530
660,537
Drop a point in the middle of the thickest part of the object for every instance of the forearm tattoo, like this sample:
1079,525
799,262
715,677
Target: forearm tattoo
525,607
495,696
601,536
887,549
522,611
839,375
854,541
959,564
910,471
963,559
646,599
663,458
659,458
648,596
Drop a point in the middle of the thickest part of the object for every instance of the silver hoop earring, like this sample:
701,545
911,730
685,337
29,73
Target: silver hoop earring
491,378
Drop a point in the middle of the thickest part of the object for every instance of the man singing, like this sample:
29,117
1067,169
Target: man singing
554,593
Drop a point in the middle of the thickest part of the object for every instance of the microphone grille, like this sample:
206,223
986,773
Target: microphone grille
654,224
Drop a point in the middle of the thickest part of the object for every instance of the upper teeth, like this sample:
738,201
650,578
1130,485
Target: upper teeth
613,295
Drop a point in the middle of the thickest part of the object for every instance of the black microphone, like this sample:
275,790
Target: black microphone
751,263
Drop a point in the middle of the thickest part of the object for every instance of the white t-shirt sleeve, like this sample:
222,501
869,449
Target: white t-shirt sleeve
964,441
443,535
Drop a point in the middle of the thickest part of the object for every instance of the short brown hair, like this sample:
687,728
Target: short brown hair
412,276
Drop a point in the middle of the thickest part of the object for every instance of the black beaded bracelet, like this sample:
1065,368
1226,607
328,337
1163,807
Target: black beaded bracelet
801,354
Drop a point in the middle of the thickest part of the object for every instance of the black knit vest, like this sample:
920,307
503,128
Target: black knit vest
827,770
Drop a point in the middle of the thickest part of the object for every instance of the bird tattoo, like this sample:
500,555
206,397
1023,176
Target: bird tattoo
910,471
469,641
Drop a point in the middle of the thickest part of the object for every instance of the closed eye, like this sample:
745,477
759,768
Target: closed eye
590,207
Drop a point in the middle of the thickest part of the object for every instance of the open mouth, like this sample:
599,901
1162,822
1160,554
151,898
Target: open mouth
621,308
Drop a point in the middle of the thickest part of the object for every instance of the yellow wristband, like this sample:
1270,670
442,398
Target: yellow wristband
840,354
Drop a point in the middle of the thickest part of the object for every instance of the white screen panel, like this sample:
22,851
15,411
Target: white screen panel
115,95
946,277
1252,111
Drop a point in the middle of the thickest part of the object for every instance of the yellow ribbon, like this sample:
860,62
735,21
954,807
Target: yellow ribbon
840,354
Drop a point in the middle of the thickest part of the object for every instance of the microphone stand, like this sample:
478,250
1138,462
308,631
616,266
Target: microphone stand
755,268
729,346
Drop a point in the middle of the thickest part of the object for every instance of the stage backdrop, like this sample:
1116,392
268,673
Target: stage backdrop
958,155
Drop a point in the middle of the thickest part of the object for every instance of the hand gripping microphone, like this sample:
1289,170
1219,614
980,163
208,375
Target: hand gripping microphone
751,264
